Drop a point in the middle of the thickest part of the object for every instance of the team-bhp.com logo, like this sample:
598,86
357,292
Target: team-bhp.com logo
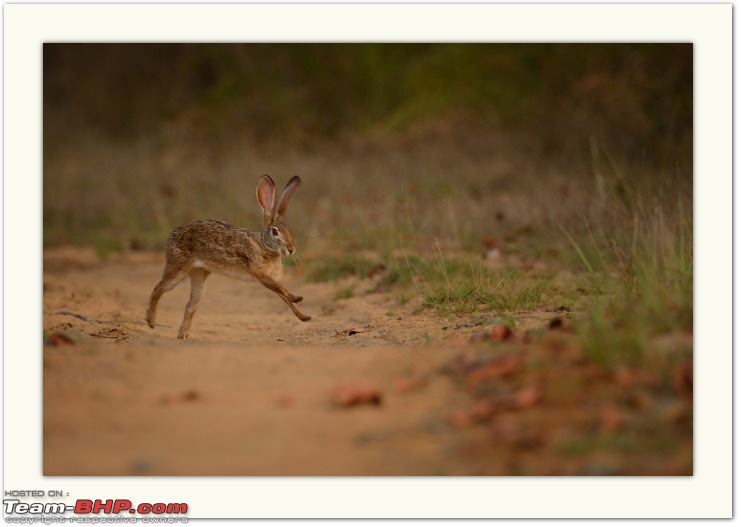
95,507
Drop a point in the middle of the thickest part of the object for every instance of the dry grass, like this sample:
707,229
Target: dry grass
376,196
429,199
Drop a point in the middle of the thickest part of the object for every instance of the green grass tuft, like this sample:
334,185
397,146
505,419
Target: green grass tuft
336,267
344,293
517,295
648,289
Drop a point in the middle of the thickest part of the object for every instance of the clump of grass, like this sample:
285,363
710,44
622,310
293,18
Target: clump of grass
648,285
465,299
484,289
487,294
394,271
416,270
448,285
336,267
344,293
454,285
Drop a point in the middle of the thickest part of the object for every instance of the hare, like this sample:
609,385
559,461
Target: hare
199,248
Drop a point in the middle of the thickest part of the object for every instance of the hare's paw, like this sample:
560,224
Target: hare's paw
296,299
304,318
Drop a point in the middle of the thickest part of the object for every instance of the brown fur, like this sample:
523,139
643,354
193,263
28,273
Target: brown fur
201,247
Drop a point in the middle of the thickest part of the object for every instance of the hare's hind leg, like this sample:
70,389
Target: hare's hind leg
170,278
198,276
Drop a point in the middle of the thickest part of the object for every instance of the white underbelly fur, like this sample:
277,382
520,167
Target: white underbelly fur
239,275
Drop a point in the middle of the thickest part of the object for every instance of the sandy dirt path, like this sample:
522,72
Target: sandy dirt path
255,391
250,393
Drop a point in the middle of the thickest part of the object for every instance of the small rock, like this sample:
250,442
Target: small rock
190,395
496,333
349,332
560,324
58,338
142,466
187,396
354,394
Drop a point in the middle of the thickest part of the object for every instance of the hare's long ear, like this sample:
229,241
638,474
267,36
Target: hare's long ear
285,198
266,198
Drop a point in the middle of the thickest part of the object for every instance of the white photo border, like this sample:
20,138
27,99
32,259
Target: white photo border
707,494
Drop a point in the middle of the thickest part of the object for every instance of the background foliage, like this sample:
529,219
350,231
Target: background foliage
634,98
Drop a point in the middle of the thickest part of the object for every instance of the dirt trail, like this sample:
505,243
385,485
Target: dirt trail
254,391
249,392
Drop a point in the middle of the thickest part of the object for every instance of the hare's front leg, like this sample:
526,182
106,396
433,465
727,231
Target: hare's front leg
288,297
198,276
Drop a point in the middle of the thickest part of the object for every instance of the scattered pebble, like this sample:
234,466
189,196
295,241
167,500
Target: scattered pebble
59,338
497,334
351,394
561,324
142,466
184,397
349,332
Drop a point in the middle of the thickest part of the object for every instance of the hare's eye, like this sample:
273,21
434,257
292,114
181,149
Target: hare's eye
275,231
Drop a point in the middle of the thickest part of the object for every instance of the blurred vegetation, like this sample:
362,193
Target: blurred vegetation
425,141
636,99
